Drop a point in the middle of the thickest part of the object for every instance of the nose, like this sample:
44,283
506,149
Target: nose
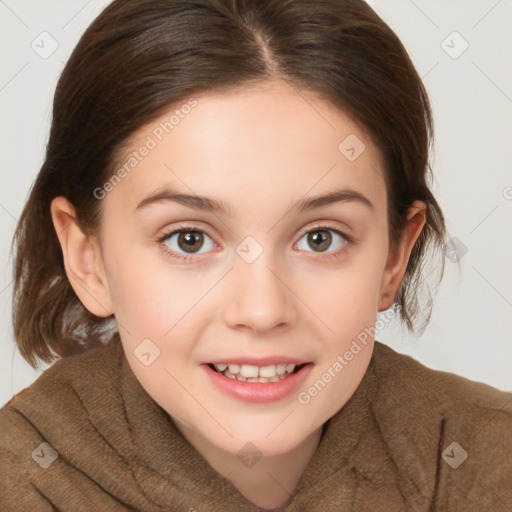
259,297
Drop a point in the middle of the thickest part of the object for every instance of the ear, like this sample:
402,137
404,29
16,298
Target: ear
397,262
82,259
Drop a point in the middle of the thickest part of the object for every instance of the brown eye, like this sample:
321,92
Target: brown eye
188,241
320,239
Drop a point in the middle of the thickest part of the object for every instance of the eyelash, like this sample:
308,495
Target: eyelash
184,228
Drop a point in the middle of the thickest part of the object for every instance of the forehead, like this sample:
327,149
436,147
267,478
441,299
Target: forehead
272,139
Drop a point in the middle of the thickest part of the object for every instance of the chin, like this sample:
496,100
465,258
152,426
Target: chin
270,438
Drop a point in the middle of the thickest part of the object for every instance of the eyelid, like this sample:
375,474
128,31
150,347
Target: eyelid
320,225
328,225
167,233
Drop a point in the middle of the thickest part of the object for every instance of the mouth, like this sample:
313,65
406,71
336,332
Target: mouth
252,373
258,384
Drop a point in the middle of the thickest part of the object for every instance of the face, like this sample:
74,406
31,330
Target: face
259,283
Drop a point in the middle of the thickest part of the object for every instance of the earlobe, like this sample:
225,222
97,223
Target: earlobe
397,262
82,259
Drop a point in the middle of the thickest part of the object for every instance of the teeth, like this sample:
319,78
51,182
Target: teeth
248,370
234,368
268,371
280,369
251,373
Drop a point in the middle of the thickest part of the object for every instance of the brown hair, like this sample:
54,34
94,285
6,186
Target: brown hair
140,56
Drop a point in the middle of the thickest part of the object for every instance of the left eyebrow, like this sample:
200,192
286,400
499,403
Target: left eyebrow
343,195
214,205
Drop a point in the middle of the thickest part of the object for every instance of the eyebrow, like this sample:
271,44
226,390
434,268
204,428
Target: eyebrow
209,204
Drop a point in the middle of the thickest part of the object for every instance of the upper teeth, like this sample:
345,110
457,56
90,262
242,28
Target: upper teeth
249,370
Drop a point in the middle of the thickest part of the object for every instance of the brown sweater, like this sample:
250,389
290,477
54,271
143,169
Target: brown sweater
390,448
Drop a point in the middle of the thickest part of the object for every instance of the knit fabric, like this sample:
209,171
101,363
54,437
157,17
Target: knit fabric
86,436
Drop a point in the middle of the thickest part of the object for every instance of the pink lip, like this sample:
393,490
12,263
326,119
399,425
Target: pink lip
256,391
265,361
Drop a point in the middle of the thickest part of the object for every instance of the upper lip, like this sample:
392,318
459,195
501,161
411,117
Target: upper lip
264,361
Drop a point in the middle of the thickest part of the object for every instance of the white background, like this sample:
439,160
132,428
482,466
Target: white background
470,332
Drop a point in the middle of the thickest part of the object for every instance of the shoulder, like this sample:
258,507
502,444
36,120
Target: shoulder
454,433
46,420
79,369
449,388
65,386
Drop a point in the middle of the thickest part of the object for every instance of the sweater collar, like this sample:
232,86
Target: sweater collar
352,443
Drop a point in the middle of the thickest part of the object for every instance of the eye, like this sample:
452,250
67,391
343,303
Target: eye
185,239
321,238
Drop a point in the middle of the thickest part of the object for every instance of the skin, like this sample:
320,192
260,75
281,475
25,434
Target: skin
259,149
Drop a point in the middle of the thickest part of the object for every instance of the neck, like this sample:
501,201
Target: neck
269,481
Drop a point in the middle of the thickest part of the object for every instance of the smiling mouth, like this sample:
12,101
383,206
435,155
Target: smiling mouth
261,374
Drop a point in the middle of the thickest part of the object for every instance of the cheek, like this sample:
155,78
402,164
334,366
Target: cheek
153,300
142,293
347,300
350,311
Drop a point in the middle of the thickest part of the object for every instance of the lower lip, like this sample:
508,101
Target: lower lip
259,392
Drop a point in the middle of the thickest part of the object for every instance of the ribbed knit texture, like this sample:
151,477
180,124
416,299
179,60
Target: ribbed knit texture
118,450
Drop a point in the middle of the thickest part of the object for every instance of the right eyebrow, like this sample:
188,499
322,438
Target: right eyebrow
191,201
